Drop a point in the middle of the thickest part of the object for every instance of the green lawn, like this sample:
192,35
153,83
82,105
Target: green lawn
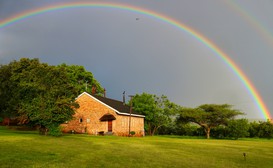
28,149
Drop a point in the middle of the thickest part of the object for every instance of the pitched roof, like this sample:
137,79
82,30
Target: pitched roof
116,105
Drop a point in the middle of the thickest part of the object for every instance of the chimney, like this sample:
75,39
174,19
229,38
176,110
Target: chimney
93,89
123,98
104,92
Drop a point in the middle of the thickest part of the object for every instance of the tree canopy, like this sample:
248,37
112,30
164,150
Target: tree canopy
157,110
81,79
208,115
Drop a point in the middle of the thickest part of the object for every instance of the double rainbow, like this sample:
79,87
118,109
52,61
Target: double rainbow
237,71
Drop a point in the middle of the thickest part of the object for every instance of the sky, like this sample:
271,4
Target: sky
132,52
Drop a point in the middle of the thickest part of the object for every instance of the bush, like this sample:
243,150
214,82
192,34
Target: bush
238,128
169,129
219,132
55,131
265,130
132,133
254,129
188,129
261,129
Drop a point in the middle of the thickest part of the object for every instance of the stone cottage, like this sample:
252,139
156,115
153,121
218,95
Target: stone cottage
100,115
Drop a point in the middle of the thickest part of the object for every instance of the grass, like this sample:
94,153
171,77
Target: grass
28,149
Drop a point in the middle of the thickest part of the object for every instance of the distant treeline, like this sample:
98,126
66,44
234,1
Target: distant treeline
234,129
163,117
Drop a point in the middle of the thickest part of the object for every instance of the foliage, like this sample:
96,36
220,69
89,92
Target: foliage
253,129
238,128
208,115
219,132
157,110
55,130
265,129
132,133
39,94
189,129
7,95
81,79
261,129
184,129
168,129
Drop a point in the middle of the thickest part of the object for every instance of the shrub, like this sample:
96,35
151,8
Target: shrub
238,128
55,131
254,129
219,132
265,130
132,133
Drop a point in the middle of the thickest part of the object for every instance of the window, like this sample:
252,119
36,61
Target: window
80,120
88,120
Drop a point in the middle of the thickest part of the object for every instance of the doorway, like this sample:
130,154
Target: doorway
110,125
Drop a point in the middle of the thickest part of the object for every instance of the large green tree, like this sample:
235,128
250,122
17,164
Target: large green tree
157,110
40,94
208,115
49,98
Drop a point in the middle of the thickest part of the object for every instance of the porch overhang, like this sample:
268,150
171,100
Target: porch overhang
107,117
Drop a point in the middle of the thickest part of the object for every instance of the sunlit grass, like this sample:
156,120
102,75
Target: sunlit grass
28,149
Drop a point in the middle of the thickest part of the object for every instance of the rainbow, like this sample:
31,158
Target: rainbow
262,30
239,73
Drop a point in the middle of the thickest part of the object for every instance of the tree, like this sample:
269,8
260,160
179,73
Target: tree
238,128
208,115
40,94
157,110
49,100
81,79
254,129
265,129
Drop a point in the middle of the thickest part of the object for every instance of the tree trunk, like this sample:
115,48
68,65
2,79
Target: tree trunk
150,130
43,130
153,132
207,130
155,129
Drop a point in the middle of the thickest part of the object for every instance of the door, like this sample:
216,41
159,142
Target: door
110,125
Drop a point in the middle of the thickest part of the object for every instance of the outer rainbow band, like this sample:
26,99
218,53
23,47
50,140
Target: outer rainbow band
250,87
